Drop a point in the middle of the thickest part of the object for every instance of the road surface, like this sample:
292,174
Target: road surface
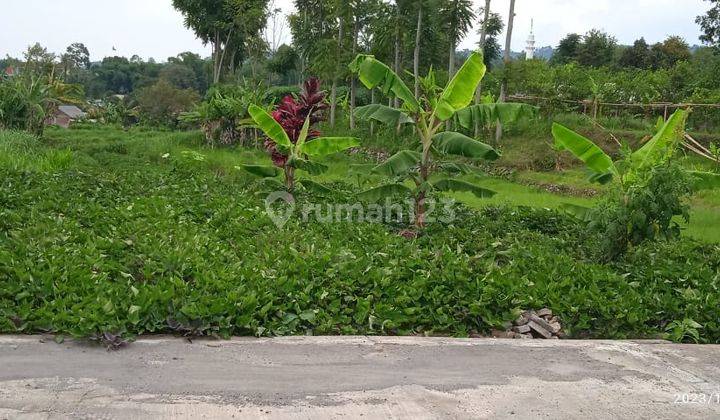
354,377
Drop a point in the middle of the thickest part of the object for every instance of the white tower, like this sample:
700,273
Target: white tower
530,49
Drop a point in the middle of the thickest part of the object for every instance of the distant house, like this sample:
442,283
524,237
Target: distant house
65,115
11,71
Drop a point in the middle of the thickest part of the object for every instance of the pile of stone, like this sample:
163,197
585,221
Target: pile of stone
538,324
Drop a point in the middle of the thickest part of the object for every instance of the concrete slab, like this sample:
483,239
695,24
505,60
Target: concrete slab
358,377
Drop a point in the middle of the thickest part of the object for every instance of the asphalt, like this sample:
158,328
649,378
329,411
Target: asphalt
358,377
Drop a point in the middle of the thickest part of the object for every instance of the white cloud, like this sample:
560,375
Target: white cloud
152,28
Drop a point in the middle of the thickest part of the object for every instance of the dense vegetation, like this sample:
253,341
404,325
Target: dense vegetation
108,231
150,216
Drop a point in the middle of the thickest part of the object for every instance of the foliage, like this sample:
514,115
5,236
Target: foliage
429,113
568,49
646,210
27,101
162,104
492,51
230,26
596,50
710,24
291,139
222,112
650,191
125,242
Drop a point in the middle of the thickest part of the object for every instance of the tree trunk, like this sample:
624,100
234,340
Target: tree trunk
451,60
333,92
289,178
451,71
232,62
397,55
483,40
333,102
372,123
506,60
216,58
353,81
416,56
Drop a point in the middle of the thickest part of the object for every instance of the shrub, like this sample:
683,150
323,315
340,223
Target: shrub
162,103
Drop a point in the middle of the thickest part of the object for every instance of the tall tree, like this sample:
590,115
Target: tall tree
637,56
492,26
710,24
416,54
38,61
670,52
341,14
597,49
228,25
567,50
363,14
506,60
457,16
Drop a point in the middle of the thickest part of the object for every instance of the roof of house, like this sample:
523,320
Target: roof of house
71,111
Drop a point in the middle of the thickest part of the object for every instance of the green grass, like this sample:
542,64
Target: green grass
525,191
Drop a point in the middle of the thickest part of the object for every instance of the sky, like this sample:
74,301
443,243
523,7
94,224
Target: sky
152,28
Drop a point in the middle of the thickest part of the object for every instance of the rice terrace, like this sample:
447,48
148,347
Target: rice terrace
362,208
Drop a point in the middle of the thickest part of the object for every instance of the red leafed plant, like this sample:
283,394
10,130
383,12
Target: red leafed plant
291,114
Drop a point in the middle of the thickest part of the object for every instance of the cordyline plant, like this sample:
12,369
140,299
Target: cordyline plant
429,113
650,188
291,140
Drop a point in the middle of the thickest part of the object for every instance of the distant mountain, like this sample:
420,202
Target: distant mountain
545,53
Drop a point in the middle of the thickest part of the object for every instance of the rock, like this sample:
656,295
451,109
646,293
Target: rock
544,313
522,329
546,325
539,329
523,319
555,327
525,336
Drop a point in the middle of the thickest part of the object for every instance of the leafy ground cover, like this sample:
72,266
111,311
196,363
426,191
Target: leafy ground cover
106,231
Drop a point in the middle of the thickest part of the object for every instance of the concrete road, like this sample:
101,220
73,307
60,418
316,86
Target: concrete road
358,377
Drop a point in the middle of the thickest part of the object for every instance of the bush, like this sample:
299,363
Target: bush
162,103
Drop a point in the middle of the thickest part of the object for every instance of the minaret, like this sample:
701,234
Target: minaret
530,49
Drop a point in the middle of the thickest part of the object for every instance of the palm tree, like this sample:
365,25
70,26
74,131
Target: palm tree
458,15
506,60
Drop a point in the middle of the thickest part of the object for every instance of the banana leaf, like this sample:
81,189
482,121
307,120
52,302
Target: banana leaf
373,73
457,144
399,164
270,127
487,114
313,168
460,92
664,143
597,161
384,114
376,194
462,186
324,146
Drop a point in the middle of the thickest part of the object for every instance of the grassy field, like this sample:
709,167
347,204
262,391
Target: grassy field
124,233
540,189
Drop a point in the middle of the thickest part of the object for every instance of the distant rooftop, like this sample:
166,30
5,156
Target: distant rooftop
71,111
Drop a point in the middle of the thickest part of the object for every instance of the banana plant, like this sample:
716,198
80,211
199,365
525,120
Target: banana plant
298,155
627,172
428,113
